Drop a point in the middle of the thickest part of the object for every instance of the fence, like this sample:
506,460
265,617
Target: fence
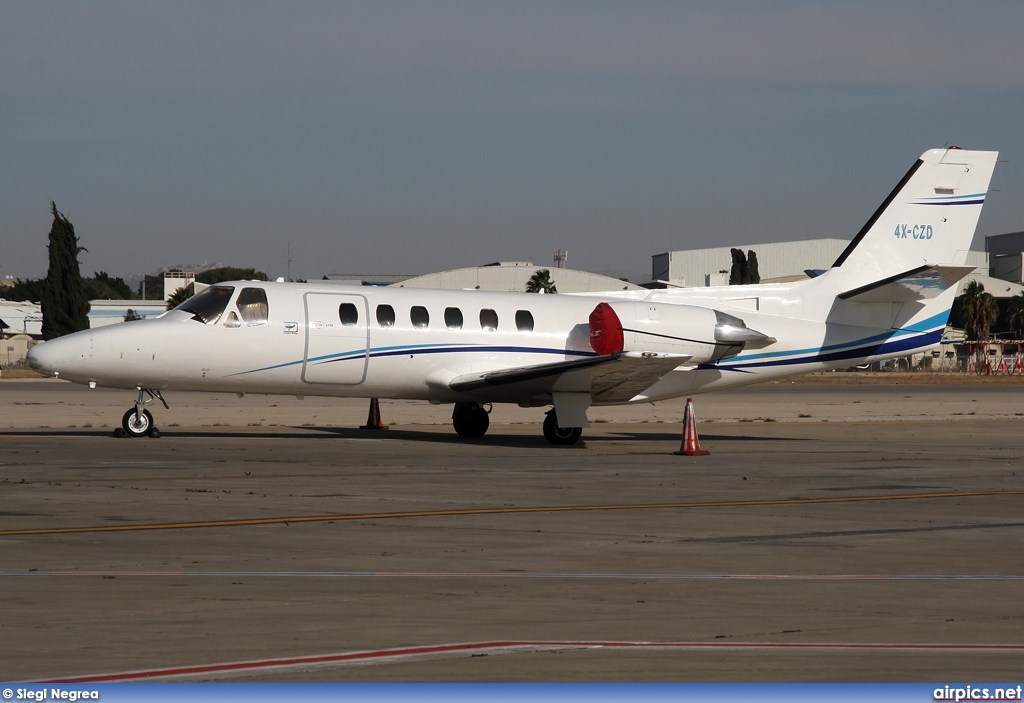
994,358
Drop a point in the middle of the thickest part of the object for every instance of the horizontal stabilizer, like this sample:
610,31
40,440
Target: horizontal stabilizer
921,283
611,378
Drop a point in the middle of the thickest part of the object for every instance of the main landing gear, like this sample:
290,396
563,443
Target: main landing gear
560,436
471,421
138,422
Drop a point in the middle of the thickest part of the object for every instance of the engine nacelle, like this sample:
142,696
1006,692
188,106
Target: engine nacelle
703,334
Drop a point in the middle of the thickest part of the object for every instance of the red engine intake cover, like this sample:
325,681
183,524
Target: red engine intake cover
605,330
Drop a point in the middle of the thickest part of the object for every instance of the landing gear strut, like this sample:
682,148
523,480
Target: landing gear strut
138,422
560,436
471,419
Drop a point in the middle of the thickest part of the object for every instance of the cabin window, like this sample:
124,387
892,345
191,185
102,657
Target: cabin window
252,306
349,314
419,315
488,320
209,305
453,318
385,316
524,321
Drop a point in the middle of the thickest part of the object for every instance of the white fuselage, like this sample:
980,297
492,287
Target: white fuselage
303,348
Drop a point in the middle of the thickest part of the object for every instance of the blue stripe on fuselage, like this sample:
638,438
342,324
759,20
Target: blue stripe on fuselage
924,333
893,347
418,349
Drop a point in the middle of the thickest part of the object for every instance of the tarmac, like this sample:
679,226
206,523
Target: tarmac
836,532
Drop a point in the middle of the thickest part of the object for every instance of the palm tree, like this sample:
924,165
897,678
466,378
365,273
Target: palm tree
1015,315
540,282
178,297
980,311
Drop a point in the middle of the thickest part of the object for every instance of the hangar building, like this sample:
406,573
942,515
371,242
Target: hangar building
1005,254
777,261
507,276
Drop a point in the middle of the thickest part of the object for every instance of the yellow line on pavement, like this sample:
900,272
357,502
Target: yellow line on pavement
502,511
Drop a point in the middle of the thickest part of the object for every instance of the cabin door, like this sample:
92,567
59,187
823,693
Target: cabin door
337,338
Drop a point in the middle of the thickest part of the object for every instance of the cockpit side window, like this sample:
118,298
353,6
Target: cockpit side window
208,306
252,306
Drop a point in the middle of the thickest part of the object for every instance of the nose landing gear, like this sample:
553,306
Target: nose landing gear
138,422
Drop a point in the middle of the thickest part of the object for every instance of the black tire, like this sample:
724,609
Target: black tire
135,426
470,420
560,436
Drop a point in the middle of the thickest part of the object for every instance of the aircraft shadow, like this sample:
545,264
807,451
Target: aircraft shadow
308,434
437,437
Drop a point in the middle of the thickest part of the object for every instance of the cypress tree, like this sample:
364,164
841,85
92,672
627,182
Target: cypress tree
64,305
738,274
753,275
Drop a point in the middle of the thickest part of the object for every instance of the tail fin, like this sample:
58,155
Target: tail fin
928,220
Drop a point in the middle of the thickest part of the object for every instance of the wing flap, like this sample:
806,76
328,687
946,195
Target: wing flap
609,378
635,373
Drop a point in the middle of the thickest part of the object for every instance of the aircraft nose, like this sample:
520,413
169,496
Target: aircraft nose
40,358
54,355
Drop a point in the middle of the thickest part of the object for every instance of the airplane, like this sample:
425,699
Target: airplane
888,294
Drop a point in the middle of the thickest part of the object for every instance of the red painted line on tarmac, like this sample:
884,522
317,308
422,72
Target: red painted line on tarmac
289,662
386,655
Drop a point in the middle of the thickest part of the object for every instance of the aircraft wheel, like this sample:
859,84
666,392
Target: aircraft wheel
136,426
560,436
470,420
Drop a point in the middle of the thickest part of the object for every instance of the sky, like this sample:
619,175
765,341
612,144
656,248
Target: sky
411,137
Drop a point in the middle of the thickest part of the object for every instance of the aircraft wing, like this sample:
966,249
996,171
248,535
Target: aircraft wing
611,378
917,284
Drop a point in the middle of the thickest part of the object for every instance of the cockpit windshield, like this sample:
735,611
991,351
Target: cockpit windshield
208,306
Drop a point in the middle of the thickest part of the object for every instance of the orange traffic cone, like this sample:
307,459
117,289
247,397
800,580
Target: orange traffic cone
690,445
373,419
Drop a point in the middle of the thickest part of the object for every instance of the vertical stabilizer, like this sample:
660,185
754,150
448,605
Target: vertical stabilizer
929,218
